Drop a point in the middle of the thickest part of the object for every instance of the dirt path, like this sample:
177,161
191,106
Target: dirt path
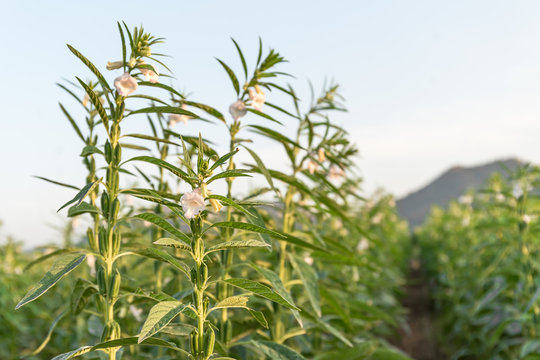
419,341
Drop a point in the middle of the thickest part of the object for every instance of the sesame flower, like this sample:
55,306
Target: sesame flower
308,259
176,118
465,199
257,97
114,65
336,172
125,84
363,245
312,166
192,203
526,218
150,75
322,155
237,109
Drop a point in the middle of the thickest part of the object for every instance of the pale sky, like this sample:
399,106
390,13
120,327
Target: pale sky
429,84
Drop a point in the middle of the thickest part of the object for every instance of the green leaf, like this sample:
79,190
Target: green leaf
72,122
134,147
232,203
164,110
264,115
81,293
259,317
310,282
151,138
261,167
160,315
232,76
360,351
50,255
82,194
261,290
160,255
91,66
272,134
222,159
56,182
134,341
165,225
73,353
61,267
96,102
241,58
165,165
228,174
89,150
178,244
279,288
388,354
326,327
235,244
207,109
276,351
232,302
82,208
49,333
247,227
162,86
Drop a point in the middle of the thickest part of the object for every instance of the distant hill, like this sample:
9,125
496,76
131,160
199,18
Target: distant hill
450,185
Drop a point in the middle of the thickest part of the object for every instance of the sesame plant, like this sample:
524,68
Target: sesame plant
178,269
480,255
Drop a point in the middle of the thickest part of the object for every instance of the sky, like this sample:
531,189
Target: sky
429,84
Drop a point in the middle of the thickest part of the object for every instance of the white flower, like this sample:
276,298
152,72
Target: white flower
150,75
237,109
257,97
146,223
91,260
114,65
176,118
465,199
312,166
377,218
466,221
335,172
499,197
363,245
322,155
125,84
525,218
308,259
192,203
75,223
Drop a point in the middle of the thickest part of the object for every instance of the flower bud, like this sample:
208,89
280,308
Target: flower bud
114,65
216,205
322,155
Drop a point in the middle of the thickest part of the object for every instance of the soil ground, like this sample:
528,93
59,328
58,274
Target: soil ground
419,340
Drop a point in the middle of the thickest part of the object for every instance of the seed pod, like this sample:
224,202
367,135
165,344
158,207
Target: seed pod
203,275
115,284
111,331
108,152
90,236
103,242
102,284
194,276
206,302
194,337
209,341
115,209
117,241
117,154
105,204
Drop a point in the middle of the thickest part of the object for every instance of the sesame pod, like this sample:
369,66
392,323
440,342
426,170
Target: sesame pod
103,242
194,276
228,331
102,284
90,236
206,302
117,241
108,152
209,341
201,273
114,288
117,154
194,337
111,331
105,204
115,208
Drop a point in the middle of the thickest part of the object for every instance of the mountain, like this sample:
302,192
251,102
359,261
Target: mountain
454,182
